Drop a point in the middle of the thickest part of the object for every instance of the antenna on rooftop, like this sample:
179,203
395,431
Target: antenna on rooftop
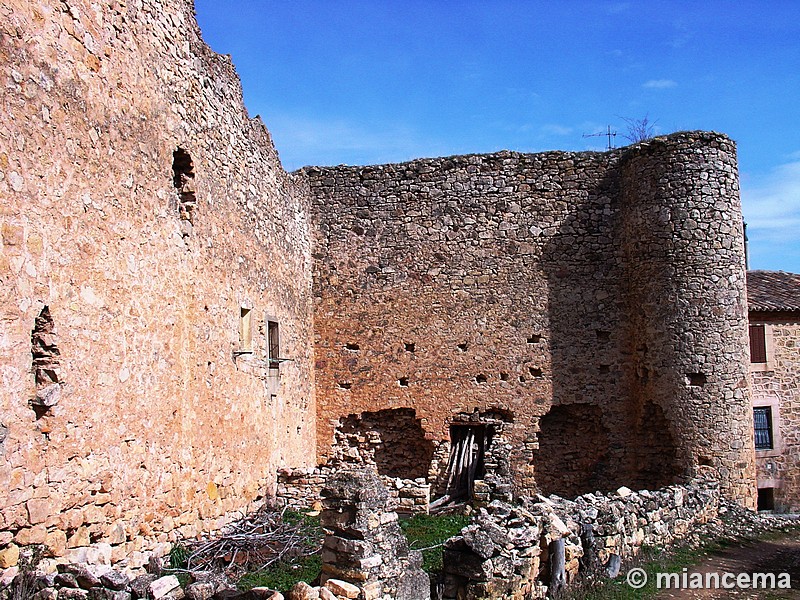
607,133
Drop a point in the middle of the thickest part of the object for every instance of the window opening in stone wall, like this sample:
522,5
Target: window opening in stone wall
410,347
573,449
758,344
463,347
245,330
762,422
392,440
352,347
403,382
503,376
535,338
535,372
183,180
468,445
602,335
344,385
766,499
45,354
696,379
273,344
480,378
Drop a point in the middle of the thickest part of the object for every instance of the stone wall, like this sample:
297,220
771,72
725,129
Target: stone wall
515,283
778,386
506,551
148,232
301,489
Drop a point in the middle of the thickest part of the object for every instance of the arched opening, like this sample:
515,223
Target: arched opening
573,448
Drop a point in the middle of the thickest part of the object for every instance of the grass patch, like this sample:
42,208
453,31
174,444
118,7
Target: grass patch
428,533
282,575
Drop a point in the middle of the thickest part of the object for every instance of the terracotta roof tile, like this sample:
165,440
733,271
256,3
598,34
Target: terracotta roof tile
773,291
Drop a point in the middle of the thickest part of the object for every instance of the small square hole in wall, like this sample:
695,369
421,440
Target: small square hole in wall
480,378
522,379
344,385
534,339
463,347
403,382
696,379
535,371
410,347
602,335
352,347
604,368
503,376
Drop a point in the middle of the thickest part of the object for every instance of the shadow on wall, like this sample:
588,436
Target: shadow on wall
392,439
604,429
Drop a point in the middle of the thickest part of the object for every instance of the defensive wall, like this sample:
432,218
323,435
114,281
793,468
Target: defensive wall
587,308
579,317
149,234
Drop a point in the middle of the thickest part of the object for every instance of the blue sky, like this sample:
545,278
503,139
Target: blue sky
375,81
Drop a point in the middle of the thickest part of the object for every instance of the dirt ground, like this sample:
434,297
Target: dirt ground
775,556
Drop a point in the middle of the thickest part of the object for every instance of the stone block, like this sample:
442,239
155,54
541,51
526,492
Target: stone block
39,509
9,556
160,587
303,591
56,543
342,588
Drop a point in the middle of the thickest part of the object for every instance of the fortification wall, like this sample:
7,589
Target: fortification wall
595,302
148,421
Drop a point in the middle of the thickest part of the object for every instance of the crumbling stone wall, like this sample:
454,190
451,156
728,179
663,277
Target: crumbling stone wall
519,282
506,551
144,214
779,385
391,440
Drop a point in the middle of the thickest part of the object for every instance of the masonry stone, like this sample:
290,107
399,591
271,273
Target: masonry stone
183,319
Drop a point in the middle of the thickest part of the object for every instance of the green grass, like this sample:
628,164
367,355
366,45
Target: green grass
283,575
425,531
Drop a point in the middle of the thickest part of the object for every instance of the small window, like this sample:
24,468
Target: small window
758,344
273,344
245,330
762,421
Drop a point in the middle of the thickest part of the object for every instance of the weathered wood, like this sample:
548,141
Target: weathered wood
557,561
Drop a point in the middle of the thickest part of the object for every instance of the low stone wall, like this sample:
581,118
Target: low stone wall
301,489
509,551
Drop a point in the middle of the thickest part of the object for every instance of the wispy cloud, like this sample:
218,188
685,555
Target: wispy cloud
659,84
306,141
555,129
771,205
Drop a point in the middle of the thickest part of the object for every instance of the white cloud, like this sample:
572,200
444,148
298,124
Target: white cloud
555,129
306,141
771,206
659,84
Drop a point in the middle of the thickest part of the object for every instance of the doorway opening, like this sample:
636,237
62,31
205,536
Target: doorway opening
468,444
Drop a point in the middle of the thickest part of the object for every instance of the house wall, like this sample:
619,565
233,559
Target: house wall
511,283
158,427
776,384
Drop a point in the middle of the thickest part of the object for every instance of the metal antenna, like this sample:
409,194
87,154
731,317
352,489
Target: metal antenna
607,133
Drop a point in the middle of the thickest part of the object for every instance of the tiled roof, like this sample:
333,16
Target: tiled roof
773,291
